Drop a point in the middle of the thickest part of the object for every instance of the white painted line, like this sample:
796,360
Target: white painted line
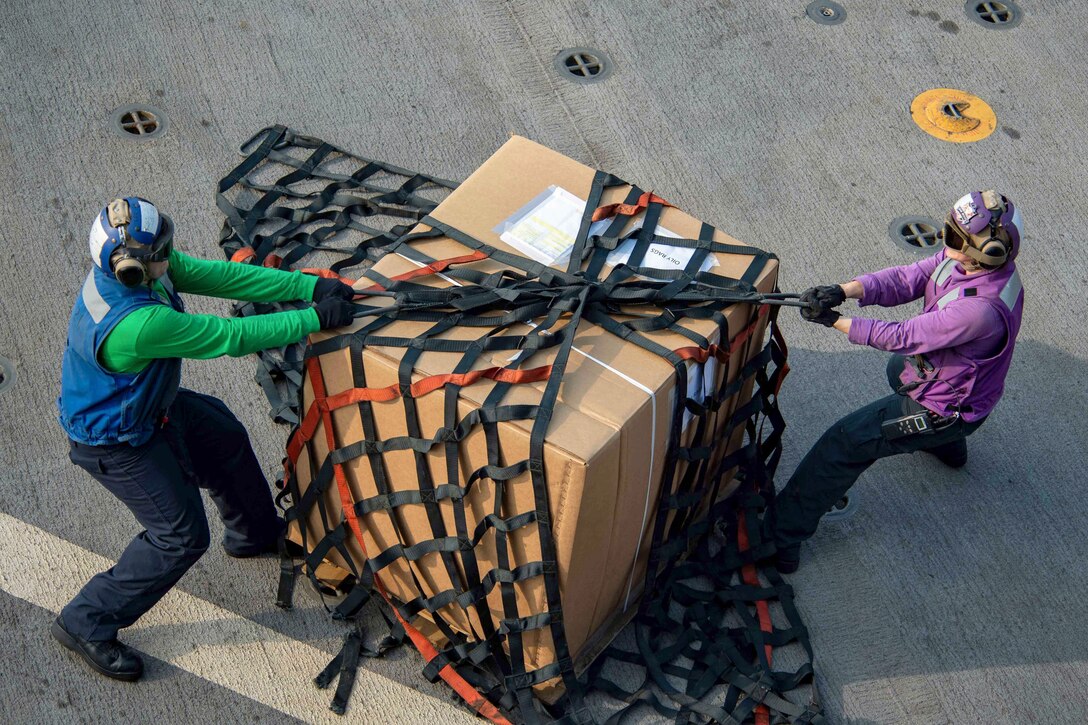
208,641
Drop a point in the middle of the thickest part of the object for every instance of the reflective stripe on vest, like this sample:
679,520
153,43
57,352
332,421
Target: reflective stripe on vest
1011,291
943,272
167,284
92,300
948,298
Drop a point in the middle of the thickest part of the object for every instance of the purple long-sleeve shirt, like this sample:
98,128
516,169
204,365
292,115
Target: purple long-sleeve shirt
966,336
972,322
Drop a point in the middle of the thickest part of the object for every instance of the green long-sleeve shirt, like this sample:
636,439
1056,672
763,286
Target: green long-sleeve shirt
159,331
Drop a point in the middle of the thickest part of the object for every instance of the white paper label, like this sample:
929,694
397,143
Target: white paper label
546,228
658,255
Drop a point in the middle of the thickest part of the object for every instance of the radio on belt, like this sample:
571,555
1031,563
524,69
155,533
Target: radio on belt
908,425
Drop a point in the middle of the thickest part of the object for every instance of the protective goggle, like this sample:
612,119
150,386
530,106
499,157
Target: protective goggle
954,237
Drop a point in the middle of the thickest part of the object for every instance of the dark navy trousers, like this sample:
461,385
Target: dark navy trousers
844,452
203,445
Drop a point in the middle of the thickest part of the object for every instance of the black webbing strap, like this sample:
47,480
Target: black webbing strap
345,666
285,590
681,630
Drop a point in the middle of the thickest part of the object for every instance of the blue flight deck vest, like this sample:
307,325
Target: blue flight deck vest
99,407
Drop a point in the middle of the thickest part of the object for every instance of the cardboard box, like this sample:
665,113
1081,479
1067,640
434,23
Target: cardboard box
605,448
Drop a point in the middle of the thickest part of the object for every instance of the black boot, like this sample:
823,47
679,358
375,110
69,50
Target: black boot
111,658
269,547
272,547
788,560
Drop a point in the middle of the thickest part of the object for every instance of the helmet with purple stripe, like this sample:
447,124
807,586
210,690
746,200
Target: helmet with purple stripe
985,226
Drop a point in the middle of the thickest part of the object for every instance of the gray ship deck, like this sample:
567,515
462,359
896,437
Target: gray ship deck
951,596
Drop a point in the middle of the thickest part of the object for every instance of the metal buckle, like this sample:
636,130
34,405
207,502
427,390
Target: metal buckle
941,422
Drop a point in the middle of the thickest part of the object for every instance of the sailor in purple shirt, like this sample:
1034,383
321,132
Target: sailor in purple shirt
948,365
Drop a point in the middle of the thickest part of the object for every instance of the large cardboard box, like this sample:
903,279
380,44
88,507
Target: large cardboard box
605,448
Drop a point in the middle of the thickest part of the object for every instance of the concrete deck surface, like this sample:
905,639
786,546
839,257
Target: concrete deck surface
951,596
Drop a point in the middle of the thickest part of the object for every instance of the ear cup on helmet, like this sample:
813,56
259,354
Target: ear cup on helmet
995,249
130,272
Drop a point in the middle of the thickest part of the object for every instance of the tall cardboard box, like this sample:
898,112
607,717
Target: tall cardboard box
605,449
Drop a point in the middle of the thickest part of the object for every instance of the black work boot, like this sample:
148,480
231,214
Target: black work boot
111,658
272,547
953,455
788,559
269,547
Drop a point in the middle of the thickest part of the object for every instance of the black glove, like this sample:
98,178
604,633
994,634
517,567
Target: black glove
334,312
332,288
827,295
823,315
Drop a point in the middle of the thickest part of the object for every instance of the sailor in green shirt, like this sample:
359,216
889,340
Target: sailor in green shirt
151,443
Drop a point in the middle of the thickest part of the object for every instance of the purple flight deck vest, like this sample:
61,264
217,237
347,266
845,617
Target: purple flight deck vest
956,378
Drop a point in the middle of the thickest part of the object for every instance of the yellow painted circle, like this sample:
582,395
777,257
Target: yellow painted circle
952,115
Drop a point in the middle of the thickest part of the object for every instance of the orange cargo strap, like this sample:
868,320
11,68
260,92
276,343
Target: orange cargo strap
244,255
784,368
433,268
329,274
751,578
611,210
322,404
722,354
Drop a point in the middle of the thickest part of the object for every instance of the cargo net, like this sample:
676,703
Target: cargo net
711,621
296,198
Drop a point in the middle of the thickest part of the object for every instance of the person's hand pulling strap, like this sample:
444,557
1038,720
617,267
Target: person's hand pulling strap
822,315
827,295
816,310
334,312
332,288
